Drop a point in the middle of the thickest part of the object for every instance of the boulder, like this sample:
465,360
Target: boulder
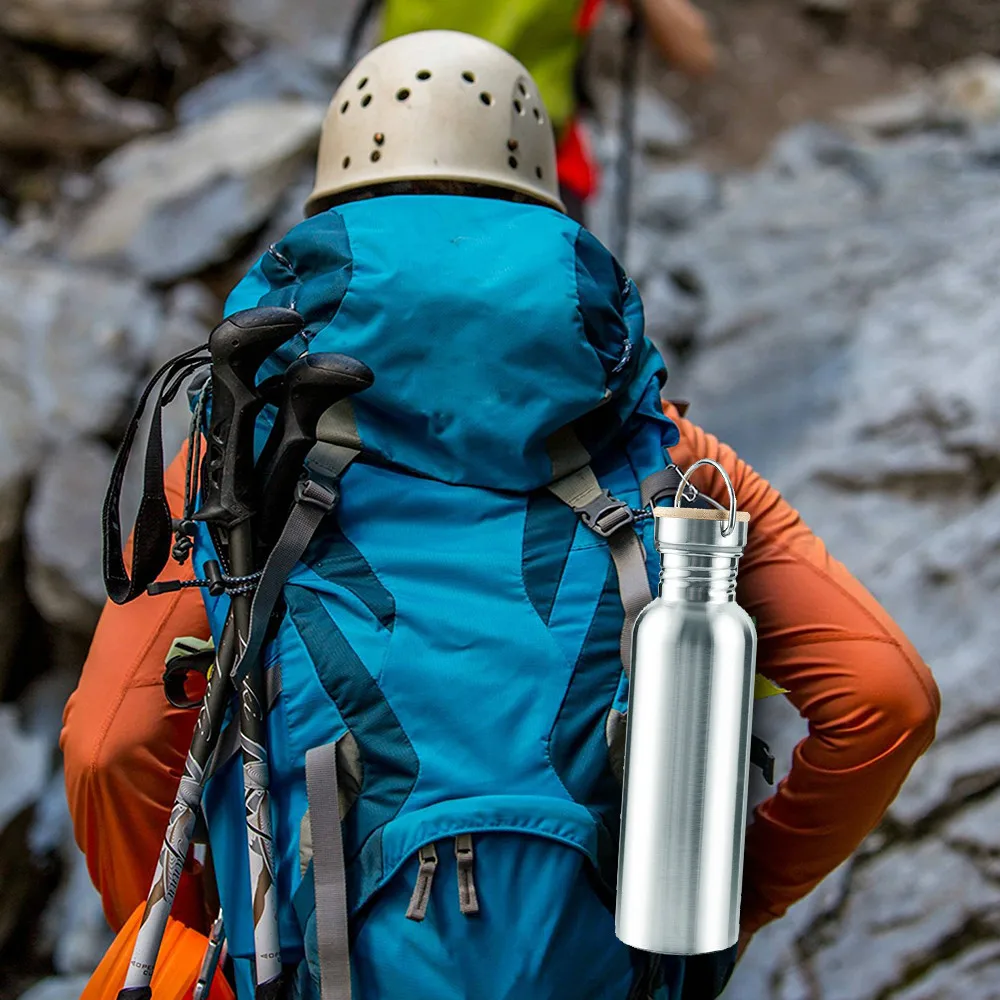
63,535
177,203
117,27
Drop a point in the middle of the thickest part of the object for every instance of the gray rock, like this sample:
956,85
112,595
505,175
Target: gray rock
959,767
63,535
66,113
828,6
289,211
292,22
190,313
660,127
973,976
280,74
24,765
971,89
902,906
178,203
910,111
797,269
675,198
42,701
56,988
846,346
976,828
18,456
118,27
72,341
52,829
75,918
675,310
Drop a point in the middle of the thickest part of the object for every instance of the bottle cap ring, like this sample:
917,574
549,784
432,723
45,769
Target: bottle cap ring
679,495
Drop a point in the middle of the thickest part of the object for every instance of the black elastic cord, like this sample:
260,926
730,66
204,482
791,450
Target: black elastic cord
184,529
153,528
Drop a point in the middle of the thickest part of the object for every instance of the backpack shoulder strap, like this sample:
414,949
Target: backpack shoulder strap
608,517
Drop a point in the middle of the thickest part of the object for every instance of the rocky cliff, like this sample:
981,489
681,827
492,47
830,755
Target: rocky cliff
831,312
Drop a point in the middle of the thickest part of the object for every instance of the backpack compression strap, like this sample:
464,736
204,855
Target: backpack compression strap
609,518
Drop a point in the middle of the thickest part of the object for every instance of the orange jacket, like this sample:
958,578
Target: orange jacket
870,701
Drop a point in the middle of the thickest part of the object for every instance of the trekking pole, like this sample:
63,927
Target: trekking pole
359,23
229,506
311,385
623,186
310,388
249,338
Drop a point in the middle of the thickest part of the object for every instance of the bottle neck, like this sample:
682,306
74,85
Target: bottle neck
698,576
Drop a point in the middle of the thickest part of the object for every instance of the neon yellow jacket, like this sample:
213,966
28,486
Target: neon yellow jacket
542,34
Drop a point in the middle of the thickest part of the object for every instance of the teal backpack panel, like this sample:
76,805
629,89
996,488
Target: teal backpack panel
453,627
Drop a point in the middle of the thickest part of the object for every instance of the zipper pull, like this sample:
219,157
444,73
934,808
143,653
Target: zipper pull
428,858
468,901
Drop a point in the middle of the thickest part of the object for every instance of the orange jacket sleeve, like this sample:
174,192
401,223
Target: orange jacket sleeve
124,745
870,701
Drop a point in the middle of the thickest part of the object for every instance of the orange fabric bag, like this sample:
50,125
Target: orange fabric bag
177,967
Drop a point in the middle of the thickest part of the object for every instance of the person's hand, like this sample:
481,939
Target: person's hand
680,31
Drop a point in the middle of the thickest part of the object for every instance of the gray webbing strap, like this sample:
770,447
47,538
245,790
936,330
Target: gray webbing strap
312,503
608,517
629,555
338,427
329,876
664,483
566,452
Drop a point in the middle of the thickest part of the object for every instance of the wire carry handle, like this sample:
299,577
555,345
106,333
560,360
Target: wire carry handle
679,495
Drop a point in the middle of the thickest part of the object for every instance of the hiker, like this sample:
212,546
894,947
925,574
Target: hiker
452,632
548,36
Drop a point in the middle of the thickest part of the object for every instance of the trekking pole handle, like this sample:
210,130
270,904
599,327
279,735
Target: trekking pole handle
239,346
312,385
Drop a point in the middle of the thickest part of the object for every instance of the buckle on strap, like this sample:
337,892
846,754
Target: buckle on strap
606,515
307,491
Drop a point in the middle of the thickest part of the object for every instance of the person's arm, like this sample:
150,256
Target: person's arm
124,745
871,702
681,33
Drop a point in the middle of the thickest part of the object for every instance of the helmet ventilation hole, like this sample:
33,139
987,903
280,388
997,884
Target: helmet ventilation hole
524,90
518,107
347,162
538,116
376,156
366,100
486,98
344,107
424,74
512,160
362,83
538,172
469,77
402,94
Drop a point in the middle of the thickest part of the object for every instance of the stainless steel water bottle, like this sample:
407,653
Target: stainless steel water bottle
687,750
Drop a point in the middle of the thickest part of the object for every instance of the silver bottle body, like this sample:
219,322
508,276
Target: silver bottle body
687,750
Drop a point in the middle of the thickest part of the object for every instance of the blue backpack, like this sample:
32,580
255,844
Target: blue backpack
446,690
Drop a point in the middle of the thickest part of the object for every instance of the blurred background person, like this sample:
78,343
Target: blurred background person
549,38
